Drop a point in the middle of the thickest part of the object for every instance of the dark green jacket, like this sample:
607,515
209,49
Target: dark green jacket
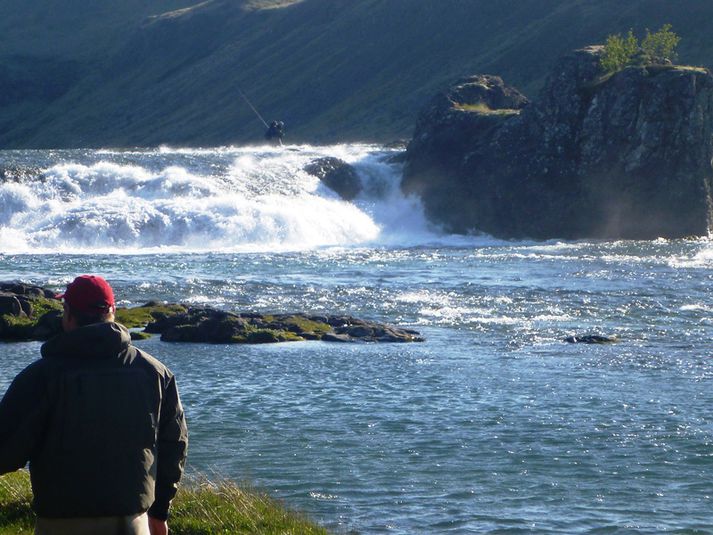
101,424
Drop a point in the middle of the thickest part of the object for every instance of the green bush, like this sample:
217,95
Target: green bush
621,51
660,45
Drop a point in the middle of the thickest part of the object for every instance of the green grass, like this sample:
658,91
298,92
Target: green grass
200,508
16,516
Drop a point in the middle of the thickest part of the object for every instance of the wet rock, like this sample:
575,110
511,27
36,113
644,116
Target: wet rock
29,315
215,326
359,331
368,331
48,325
28,312
28,290
203,325
337,175
591,339
262,337
26,305
10,305
138,335
331,337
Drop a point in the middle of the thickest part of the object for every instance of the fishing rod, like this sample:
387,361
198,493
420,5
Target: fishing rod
253,108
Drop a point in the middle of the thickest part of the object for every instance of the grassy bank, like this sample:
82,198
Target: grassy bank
200,508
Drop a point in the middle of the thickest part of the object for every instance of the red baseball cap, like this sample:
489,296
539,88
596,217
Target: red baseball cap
89,294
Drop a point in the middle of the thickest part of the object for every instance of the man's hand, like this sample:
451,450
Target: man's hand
158,527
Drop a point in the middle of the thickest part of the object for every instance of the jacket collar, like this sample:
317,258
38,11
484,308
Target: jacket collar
99,340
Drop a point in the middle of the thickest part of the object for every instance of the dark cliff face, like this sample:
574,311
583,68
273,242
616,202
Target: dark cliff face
620,156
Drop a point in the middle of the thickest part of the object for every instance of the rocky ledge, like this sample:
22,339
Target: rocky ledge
623,155
32,313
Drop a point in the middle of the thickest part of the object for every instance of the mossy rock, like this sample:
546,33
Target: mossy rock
270,336
140,316
138,335
180,323
297,324
262,336
16,327
24,326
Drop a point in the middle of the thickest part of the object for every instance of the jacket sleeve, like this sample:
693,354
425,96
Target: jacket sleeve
23,411
171,451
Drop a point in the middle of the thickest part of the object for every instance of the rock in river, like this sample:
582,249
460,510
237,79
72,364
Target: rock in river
32,313
337,175
596,155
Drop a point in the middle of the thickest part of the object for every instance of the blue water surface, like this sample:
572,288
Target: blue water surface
494,424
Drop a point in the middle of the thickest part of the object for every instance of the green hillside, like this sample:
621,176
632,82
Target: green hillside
146,72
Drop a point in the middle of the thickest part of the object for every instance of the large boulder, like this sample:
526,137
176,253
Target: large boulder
10,304
28,312
28,290
337,175
626,155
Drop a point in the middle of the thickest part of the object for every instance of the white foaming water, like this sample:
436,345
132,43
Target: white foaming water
225,199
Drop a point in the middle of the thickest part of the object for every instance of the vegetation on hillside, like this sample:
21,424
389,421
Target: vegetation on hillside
656,48
200,508
126,73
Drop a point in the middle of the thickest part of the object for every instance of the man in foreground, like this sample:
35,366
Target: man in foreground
100,423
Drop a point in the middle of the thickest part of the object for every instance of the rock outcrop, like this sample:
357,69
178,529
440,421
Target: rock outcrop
626,155
32,313
202,324
28,312
337,175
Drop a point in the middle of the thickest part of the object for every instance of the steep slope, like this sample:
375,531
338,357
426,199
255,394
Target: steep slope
145,73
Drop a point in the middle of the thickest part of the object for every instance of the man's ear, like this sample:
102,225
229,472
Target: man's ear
68,321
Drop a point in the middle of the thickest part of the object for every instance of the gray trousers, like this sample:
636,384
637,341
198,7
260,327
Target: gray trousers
107,525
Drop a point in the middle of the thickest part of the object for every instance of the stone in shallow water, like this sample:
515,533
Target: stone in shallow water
202,324
591,339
